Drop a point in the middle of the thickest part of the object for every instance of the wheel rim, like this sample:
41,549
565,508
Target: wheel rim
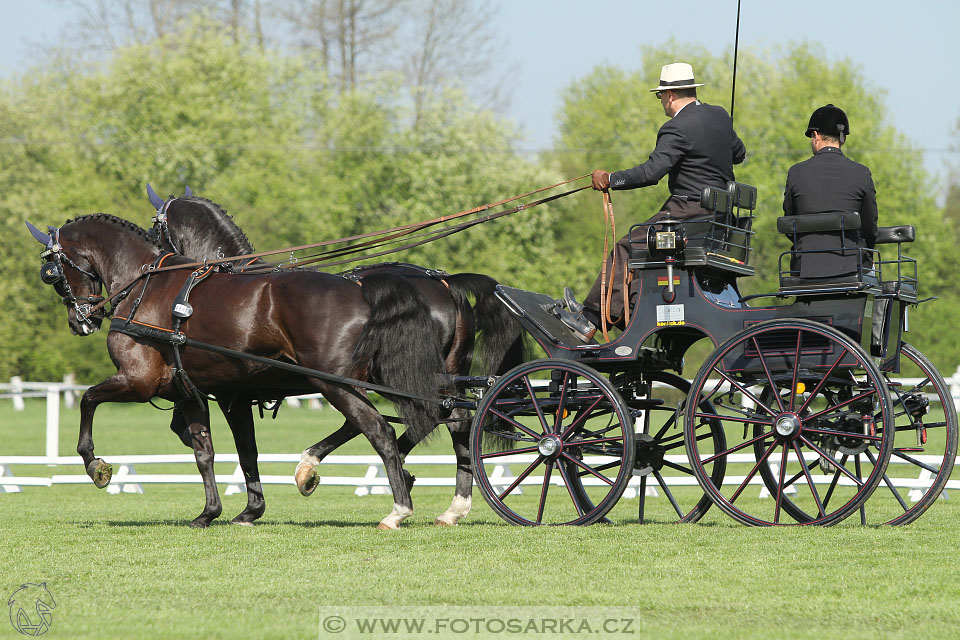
552,443
791,394
925,444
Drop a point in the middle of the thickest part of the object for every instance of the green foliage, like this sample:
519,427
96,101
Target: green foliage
296,161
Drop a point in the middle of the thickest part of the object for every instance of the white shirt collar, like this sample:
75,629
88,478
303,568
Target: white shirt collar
684,107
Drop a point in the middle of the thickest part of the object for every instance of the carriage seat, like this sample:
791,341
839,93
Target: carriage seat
718,240
829,230
904,287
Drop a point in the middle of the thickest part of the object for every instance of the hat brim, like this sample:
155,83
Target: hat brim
680,86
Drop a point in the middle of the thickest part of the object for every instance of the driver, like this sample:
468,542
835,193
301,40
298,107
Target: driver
696,147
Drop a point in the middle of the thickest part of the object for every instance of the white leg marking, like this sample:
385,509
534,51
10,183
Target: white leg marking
458,510
398,515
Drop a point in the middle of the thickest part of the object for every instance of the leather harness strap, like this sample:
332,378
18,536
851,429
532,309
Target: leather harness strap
395,231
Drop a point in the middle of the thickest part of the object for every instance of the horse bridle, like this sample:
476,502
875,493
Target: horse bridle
52,273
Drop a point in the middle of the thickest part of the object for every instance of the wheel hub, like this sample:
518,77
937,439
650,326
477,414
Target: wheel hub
788,425
550,446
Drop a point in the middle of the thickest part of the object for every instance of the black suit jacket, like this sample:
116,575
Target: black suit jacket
831,182
697,147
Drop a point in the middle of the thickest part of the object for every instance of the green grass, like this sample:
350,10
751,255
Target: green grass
128,566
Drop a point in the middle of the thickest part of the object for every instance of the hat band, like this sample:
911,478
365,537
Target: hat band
673,83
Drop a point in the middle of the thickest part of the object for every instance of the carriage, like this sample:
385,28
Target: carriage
798,416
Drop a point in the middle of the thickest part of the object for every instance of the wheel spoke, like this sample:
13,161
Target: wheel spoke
783,471
588,468
678,467
548,468
521,477
753,472
668,493
822,381
511,452
746,392
766,370
536,404
742,445
863,395
843,434
558,416
915,462
503,416
889,483
580,419
806,473
836,479
823,453
566,482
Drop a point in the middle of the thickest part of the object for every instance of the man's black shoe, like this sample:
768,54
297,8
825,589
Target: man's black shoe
580,326
572,304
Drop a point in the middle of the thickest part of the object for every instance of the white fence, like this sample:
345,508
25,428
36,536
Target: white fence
126,478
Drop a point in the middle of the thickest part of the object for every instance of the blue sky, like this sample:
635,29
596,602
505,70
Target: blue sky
908,51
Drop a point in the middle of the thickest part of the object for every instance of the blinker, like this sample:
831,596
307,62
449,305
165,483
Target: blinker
50,273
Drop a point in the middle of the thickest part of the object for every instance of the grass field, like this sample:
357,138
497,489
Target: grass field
127,566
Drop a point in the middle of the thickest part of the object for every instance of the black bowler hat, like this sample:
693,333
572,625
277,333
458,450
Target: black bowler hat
829,120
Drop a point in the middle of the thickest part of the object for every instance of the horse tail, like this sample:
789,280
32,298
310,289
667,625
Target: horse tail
502,343
400,349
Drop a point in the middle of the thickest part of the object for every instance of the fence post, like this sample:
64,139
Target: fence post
53,422
69,395
16,385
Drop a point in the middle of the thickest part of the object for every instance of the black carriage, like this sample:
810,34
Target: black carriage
796,416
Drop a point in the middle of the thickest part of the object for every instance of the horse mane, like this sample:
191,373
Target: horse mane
217,223
107,217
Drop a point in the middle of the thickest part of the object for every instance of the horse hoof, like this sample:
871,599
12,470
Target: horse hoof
443,523
306,477
100,472
242,523
383,526
200,523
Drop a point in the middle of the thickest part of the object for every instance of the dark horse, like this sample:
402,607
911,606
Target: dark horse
483,336
311,319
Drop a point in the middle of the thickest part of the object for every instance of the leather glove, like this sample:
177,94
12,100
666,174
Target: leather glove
601,180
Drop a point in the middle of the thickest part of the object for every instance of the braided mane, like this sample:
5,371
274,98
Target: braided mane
223,226
107,217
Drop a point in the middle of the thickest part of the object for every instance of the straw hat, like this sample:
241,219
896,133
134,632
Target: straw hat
678,75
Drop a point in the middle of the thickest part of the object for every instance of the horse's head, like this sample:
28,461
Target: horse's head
74,280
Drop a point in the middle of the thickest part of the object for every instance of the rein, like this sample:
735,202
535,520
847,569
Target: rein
394,233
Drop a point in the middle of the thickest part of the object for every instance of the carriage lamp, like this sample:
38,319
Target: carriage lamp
666,240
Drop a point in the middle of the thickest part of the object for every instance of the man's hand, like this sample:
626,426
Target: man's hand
601,180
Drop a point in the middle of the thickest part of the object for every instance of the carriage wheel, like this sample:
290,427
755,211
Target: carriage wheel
552,443
661,460
924,449
791,394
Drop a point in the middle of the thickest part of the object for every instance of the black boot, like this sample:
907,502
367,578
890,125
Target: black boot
572,304
576,322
